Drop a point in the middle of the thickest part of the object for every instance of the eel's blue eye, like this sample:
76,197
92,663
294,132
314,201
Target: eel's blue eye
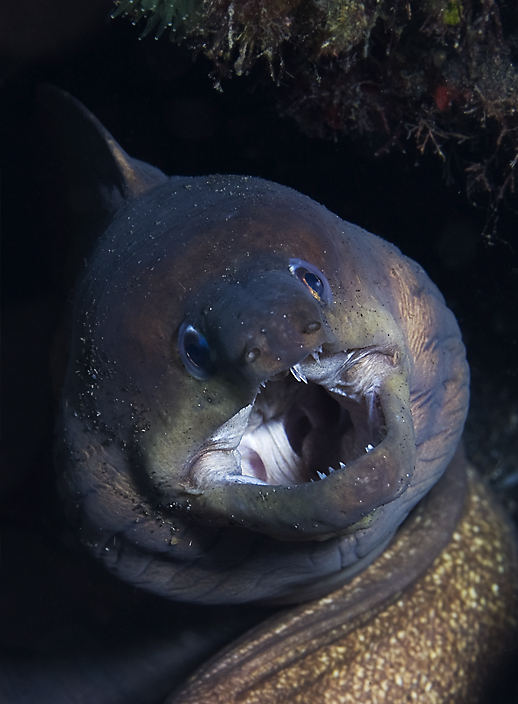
194,352
315,284
313,279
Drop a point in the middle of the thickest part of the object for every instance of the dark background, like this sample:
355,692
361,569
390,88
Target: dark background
160,104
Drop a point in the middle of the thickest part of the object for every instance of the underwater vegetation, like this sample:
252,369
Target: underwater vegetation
441,72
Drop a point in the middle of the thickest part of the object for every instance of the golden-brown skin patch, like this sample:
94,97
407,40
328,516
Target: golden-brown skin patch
436,642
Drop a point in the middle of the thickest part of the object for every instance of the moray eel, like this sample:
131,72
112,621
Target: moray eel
264,403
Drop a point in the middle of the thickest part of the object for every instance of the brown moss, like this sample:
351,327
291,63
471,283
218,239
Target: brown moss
439,71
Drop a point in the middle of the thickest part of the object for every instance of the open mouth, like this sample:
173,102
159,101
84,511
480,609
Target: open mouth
324,444
306,423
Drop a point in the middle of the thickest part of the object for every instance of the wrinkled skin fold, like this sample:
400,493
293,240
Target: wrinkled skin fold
257,393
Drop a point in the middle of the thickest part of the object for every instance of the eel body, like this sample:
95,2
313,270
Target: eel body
433,635
264,403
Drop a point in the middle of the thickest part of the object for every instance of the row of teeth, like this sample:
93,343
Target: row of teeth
297,372
351,358
296,369
330,470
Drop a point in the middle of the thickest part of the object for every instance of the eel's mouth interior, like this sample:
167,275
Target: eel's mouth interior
304,424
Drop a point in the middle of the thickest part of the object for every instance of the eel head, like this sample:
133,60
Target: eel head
257,392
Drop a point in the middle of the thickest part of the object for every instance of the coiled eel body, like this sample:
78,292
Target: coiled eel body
264,403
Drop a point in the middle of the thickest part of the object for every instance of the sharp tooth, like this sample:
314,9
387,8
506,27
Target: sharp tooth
316,354
297,372
331,470
342,465
369,448
322,475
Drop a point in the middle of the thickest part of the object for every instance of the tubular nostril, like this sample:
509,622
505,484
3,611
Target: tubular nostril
313,326
252,355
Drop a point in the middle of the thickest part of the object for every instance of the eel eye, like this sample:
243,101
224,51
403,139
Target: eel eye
313,279
194,352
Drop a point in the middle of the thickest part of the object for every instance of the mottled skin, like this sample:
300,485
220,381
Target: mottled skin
393,633
199,468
